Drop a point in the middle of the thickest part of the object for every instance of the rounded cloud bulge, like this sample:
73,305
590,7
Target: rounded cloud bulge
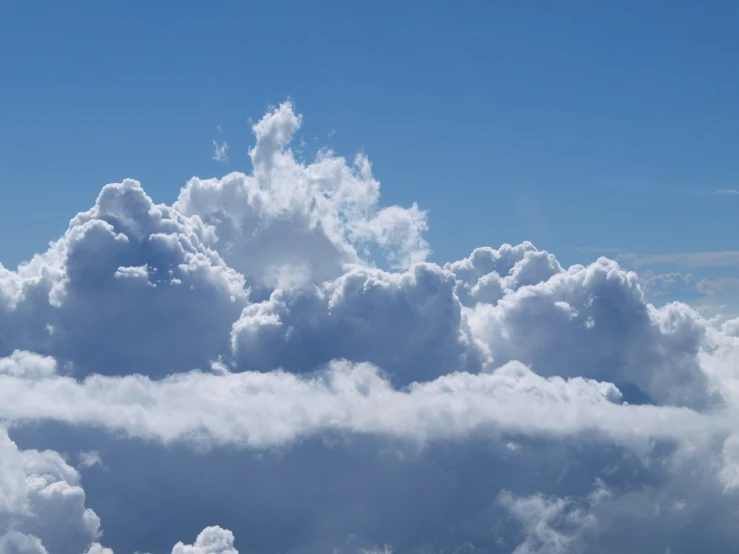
271,365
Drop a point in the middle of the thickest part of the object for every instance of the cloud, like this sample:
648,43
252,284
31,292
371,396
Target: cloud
713,297
263,410
550,525
728,258
295,222
727,191
409,323
271,365
663,284
220,151
42,503
731,327
593,322
90,458
212,540
103,298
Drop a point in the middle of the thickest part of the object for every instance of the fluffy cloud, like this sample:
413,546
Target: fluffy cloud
130,287
410,324
212,540
270,365
42,503
275,408
593,322
291,222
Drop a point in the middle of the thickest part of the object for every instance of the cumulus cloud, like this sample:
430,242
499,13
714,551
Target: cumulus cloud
131,286
593,322
212,540
42,502
292,222
409,323
731,327
271,365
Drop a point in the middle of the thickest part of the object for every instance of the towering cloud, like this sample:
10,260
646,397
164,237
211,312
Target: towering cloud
271,365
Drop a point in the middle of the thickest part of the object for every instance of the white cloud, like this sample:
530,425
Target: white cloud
271,409
117,278
220,151
90,458
731,327
212,540
42,504
551,525
252,380
409,323
315,217
14,542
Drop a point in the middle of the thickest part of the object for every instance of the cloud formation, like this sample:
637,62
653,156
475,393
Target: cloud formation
42,503
271,365
728,258
220,151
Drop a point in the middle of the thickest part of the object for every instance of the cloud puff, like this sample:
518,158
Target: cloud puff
292,222
137,287
130,287
410,324
270,365
42,503
593,322
212,540
731,327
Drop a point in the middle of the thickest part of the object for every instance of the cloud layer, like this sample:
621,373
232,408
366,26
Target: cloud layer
271,365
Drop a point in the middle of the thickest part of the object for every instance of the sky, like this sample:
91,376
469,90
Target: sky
614,120
420,277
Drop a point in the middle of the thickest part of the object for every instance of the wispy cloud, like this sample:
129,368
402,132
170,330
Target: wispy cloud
221,151
711,297
728,191
90,458
726,258
662,284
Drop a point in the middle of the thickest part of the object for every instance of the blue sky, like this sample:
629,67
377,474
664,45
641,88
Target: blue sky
571,125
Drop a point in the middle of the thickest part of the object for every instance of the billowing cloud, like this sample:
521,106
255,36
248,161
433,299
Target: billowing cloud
92,299
410,324
593,321
42,502
292,222
212,540
271,365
